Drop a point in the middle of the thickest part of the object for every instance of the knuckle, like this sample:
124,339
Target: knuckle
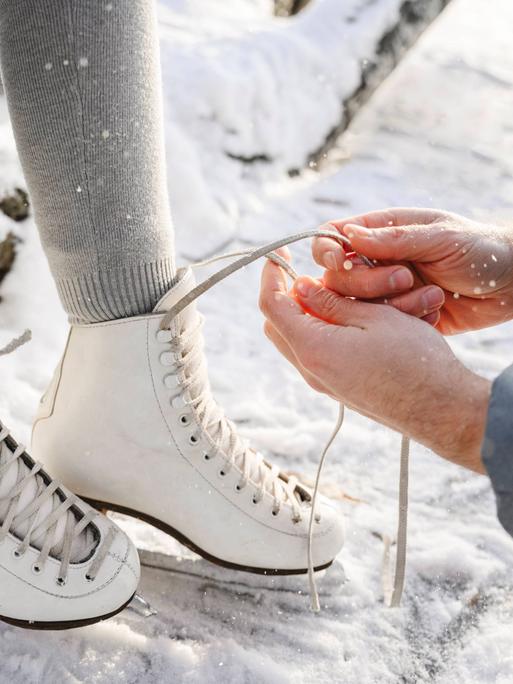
397,232
339,281
402,305
329,303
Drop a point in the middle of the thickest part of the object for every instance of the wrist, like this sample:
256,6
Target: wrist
468,416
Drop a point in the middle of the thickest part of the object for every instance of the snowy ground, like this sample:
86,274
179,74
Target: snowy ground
438,133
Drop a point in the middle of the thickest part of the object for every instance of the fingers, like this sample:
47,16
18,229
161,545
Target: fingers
331,307
393,216
421,302
274,299
389,285
397,243
432,318
308,335
392,234
328,253
287,316
419,243
369,283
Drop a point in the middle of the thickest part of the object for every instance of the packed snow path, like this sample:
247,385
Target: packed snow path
438,133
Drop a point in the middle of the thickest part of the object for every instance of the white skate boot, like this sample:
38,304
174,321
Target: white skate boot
129,423
62,564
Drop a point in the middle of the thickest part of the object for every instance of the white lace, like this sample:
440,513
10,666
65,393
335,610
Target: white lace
393,580
38,526
187,346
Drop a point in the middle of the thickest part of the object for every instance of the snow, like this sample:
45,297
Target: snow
437,133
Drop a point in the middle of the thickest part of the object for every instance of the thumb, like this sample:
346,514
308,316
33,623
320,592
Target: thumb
331,307
399,243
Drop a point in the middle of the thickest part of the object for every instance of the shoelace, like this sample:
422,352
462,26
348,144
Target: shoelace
222,431
45,490
393,579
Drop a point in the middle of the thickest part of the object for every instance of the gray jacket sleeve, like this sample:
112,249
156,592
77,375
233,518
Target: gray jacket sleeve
497,450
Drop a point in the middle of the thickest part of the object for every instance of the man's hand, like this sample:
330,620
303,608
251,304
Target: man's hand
385,364
447,261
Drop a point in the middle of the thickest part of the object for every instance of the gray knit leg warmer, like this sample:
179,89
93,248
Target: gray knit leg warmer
83,84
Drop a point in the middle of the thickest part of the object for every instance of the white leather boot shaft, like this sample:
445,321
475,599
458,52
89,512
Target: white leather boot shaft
129,420
45,581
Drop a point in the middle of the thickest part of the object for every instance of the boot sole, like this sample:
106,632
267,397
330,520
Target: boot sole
64,624
104,506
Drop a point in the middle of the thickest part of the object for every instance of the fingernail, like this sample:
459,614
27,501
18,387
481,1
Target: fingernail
401,279
330,261
434,296
306,288
351,230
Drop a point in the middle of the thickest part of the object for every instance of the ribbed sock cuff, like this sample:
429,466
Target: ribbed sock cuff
115,293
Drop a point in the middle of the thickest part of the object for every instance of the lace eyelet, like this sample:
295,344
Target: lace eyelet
163,335
207,457
171,381
89,578
184,420
255,500
222,473
296,519
317,519
61,581
239,488
275,511
177,401
166,358
17,554
193,440
36,569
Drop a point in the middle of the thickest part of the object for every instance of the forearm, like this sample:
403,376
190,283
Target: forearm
465,427
452,419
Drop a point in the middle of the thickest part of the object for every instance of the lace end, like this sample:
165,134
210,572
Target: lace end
315,605
393,580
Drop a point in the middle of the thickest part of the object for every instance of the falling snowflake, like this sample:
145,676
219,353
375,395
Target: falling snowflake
105,134
83,62
48,66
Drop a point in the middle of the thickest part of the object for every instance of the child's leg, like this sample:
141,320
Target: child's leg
84,93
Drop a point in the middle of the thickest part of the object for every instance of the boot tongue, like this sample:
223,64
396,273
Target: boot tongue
184,285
